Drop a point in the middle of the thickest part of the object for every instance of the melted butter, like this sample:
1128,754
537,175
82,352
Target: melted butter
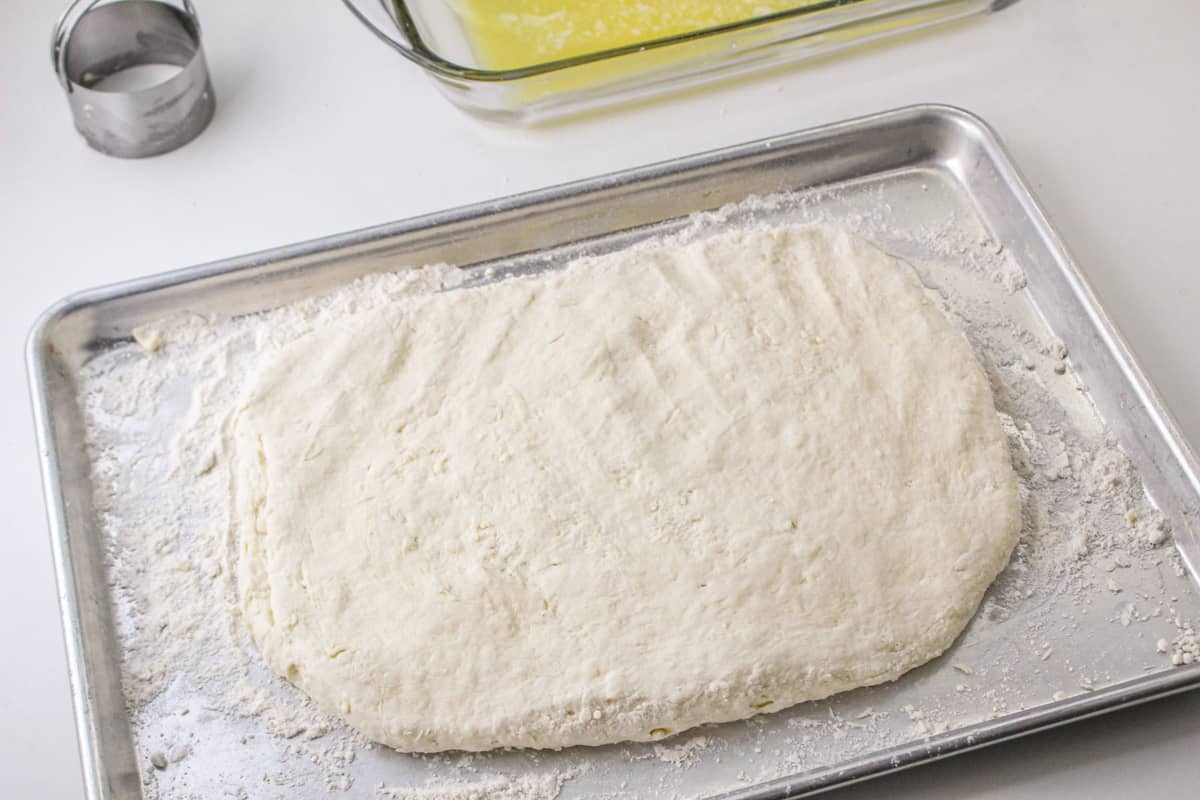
517,33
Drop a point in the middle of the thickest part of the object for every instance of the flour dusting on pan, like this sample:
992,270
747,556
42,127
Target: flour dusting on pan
1094,592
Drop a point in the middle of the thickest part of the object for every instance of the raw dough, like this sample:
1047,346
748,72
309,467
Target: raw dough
665,487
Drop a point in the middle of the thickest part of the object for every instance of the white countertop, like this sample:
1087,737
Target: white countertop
321,129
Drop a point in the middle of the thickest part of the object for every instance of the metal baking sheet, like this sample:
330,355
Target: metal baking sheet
911,180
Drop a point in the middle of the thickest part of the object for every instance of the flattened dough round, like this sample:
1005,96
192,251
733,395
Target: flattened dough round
661,488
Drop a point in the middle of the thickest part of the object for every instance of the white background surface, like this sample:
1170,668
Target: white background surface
321,129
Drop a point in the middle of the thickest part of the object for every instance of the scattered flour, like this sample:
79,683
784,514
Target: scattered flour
1092,594
524,787
683,753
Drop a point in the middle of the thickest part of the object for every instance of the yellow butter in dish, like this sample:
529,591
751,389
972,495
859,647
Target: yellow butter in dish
509,34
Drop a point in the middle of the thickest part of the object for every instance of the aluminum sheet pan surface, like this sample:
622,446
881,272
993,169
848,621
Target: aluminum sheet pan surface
1039,654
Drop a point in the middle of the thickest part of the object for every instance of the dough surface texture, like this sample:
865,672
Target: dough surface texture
664,487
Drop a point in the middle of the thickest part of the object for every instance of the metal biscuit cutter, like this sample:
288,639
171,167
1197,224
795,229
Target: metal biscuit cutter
94,41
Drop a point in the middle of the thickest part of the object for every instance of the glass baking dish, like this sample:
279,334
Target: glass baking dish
448,39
